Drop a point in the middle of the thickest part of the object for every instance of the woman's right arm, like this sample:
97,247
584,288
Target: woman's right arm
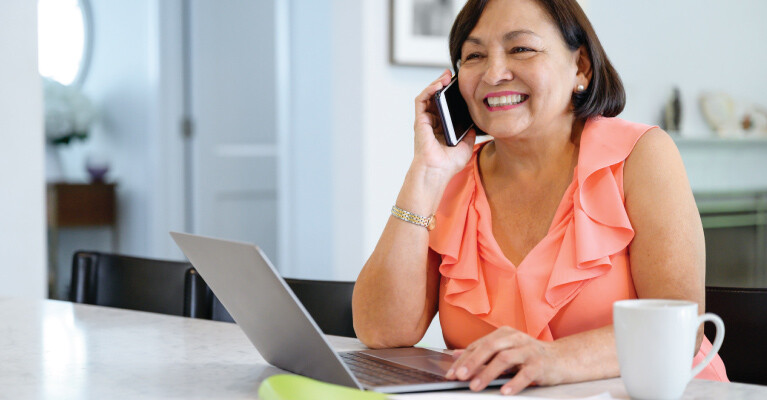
395,297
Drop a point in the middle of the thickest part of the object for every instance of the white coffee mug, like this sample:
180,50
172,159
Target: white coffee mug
656,344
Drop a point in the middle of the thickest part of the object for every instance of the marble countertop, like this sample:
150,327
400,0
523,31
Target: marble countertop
59,350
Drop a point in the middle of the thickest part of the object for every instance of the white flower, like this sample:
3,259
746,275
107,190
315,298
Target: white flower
68,113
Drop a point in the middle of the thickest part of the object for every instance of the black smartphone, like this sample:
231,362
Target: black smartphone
454,113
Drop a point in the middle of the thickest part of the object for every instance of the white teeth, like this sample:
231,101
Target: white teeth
501,101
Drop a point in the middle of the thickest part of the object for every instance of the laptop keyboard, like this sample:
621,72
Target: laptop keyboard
372,371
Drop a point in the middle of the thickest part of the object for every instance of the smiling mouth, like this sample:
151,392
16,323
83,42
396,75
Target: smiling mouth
505,101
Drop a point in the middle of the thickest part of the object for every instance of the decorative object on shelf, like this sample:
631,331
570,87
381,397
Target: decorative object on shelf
672,113
68,117
733,119
754,121
97,167
419,31
68,112
719,111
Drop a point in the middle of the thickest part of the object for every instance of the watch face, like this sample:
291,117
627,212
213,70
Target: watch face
432,222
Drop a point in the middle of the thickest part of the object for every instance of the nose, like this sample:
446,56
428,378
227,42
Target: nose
498,70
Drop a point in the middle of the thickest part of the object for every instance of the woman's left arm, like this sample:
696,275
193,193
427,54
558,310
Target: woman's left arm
667,257
668,253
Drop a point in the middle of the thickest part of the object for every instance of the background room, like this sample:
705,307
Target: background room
289,124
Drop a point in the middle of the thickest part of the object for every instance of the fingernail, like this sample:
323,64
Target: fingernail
505,390
449,374
474,385
463,372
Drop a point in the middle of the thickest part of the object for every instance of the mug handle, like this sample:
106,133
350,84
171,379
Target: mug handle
718,339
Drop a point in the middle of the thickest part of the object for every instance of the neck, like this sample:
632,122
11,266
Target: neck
531,156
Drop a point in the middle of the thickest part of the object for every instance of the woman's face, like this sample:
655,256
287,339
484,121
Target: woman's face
517,73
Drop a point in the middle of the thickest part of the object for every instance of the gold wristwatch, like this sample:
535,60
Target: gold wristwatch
426,222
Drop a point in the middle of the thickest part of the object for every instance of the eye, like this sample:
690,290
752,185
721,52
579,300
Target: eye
472,56
520,50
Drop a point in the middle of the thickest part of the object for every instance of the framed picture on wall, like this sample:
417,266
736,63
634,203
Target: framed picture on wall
420,29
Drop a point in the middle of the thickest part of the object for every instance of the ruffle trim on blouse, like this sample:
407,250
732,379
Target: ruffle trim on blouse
460,237
590,225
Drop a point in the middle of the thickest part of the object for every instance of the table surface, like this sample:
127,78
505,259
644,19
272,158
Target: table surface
53,349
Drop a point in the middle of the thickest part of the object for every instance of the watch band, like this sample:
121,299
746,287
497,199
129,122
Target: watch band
426,222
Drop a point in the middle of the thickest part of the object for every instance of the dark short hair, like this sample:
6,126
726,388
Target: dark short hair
604,96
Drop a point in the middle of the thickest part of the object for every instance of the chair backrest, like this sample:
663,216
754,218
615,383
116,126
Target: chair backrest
744,312
167,287
328,302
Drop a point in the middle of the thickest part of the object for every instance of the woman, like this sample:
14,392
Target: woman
540,230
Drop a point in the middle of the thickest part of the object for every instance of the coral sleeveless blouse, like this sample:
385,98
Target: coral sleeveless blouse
568,282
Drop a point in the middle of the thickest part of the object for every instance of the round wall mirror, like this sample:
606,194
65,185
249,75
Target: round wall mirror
64,39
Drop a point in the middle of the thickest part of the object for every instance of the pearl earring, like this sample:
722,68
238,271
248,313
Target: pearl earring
580,88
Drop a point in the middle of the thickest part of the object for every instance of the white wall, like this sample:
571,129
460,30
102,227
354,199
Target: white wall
698,45
165,193
311,139
119,81
22,224
348,84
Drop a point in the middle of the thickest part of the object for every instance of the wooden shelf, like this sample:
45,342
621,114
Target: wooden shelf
719,142
81,204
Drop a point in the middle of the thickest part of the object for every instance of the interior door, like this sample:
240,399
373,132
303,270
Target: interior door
232,100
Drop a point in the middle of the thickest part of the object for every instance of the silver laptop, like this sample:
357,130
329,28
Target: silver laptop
276,322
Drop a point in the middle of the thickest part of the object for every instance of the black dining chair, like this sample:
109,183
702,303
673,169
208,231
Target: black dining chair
744,312
143,284
328,302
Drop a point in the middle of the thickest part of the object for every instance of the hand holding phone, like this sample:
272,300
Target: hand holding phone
453,112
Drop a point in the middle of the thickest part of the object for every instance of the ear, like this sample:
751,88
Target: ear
583,62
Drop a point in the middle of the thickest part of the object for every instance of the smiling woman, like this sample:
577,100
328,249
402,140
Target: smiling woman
64,39
538,231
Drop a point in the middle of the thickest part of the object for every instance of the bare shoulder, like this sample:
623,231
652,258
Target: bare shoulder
668,250
653,147
655,160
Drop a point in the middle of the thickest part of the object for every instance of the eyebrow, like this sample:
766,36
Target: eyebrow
506,37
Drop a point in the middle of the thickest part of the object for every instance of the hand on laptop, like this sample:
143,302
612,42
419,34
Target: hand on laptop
505,350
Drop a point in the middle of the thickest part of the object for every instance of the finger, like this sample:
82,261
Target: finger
520,381
445,77
428,123
424,99
446,74
434,120
502,362
438,83
468,141
485,349
457,353
426,118
425,96
470,138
